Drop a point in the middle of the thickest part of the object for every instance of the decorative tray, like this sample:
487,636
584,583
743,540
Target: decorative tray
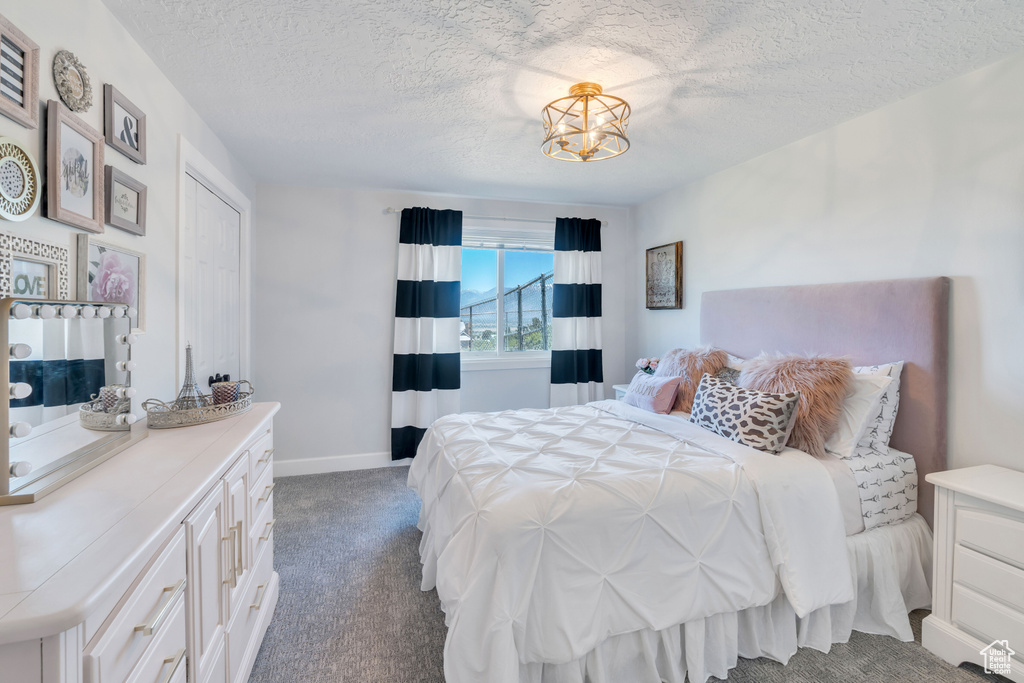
93,415
160,415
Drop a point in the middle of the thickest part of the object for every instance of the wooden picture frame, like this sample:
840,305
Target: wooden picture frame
53,257
664,267
19,100
108,273
124,201
73,157
124,125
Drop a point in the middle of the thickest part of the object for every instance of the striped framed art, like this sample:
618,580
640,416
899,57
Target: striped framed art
19,75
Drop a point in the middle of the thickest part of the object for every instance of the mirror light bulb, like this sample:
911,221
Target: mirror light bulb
88,312
47,312
21,311
69,311
104,312
20,430
20,351
118,312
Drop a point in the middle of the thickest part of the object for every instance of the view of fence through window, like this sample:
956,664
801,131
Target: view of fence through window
523,310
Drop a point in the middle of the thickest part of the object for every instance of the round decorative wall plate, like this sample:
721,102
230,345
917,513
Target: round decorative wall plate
72,82
19,181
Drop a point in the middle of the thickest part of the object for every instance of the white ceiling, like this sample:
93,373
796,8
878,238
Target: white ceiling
445,95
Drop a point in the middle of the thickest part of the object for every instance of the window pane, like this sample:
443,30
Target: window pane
479,329
527,300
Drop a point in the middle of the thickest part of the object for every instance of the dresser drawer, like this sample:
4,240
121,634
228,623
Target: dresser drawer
983,574
259,495
986,618
164,661
991,534
261,452
144,615
244,621
262,530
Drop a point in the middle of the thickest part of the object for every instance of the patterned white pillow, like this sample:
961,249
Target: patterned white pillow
879,428
753,418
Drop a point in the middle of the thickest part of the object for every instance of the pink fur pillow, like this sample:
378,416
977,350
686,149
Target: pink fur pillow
689,367
822,382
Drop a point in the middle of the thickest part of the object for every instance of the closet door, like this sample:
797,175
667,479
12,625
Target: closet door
212,287
207,548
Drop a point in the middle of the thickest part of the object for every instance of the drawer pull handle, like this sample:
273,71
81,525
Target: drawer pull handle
239,565
150,628
266,492
261,590
268,530
267,455
175,662
230,538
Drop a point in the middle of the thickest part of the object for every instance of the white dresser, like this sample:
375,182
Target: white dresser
978,585
155,567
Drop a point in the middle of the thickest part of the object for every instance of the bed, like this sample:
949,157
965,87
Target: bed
604,543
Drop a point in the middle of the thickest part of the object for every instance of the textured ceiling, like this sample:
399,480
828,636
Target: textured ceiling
445,95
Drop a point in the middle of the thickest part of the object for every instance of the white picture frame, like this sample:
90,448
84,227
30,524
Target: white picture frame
112,274
54,257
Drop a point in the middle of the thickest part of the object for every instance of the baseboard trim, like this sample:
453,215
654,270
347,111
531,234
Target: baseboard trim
334,463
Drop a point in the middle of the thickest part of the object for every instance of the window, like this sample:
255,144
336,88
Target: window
517,321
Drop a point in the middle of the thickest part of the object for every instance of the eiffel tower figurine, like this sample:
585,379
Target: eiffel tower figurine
190,395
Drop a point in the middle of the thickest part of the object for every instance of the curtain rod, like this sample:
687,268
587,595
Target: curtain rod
490,218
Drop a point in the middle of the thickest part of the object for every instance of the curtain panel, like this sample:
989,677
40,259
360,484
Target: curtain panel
577,372
426,372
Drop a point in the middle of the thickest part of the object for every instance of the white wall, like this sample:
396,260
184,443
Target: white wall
931,185
110,55
324,264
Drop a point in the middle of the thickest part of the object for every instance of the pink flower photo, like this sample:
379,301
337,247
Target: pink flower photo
112,275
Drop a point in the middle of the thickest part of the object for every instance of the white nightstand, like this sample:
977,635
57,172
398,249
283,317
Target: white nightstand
620,390
978,577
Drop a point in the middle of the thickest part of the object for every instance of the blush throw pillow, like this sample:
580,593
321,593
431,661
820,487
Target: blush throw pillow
656,394
879,429
822,382
859,410
757,419
689,367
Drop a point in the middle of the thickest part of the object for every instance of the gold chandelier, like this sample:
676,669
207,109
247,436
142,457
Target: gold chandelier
585,126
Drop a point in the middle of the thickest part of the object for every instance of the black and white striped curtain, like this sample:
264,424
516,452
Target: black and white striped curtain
577,374
426,380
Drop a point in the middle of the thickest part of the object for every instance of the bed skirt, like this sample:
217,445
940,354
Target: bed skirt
893,568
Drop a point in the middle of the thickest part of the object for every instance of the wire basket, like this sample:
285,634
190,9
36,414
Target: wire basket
92,415
160,415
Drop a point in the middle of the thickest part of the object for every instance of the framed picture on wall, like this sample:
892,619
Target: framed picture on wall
74,158
665,276
33,269
19,84
125,201
112,274
124,125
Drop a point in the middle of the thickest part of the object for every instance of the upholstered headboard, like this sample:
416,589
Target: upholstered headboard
872,323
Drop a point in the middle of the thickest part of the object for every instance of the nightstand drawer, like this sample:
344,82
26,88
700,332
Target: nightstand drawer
987,618
991,534
986,575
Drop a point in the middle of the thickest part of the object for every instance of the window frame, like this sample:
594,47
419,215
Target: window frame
500,359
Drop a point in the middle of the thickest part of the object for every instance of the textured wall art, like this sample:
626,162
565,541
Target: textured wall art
665,276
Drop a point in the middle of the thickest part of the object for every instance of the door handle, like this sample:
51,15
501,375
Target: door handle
151,627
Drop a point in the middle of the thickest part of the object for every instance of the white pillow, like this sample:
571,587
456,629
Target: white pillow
735,363
859,409
879,429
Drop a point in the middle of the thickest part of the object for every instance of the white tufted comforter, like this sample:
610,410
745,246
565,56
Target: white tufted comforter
547,531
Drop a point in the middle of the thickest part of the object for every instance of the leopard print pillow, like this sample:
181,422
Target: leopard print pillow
753,418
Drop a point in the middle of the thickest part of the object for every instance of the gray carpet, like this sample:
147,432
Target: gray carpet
346,548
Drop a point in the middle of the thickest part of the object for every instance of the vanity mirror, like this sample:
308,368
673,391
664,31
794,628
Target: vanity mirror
69,377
